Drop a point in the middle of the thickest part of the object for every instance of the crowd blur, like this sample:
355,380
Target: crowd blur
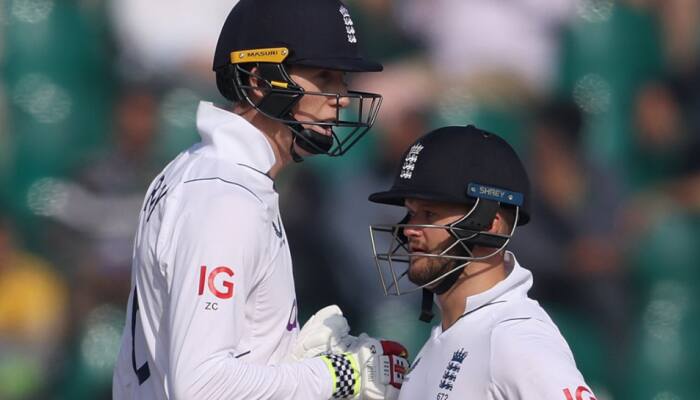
600,97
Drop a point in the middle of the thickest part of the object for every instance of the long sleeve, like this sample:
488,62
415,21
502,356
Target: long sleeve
219,254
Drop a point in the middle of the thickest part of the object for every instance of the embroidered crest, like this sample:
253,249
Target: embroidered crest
452,369
349,26
409,163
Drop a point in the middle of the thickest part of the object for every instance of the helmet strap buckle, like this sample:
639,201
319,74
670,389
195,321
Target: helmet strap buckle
426,312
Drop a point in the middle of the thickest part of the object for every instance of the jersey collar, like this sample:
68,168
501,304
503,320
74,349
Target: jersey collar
517,284
233,137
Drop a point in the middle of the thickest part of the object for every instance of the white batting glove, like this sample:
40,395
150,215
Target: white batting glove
368,368
322,333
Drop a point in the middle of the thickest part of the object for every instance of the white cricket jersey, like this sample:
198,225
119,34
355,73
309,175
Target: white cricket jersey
215,309
504,347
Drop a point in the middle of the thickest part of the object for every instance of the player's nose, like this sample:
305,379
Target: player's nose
412,231
343,101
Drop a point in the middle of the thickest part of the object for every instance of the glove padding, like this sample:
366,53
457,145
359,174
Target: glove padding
382,365
322,333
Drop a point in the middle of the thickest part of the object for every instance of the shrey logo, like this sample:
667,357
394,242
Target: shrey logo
211,281
409,163
349,26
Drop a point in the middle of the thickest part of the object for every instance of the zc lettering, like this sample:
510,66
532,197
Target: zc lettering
210,281
579,394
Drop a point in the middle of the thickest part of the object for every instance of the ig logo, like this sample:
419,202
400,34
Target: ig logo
580,391
225,291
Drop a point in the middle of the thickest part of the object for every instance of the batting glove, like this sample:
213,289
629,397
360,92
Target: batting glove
322,333
368,369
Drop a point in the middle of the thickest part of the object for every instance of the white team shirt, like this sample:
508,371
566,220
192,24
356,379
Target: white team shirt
504,347
215,310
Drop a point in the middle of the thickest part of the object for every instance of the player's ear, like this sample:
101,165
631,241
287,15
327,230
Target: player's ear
502,222
256,82
497,225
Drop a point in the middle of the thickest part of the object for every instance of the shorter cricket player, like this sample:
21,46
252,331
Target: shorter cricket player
465,192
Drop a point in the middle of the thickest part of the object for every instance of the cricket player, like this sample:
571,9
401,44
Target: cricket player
465,192
212,312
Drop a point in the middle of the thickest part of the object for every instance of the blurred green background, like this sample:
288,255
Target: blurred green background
600,97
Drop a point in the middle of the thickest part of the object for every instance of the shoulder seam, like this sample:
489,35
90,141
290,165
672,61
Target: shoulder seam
229,182
256,170
480,307
513,319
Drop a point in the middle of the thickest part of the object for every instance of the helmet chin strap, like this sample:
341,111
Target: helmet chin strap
311,141
295,156
426,312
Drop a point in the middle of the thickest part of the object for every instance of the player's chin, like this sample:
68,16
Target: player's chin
424,270
420,271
